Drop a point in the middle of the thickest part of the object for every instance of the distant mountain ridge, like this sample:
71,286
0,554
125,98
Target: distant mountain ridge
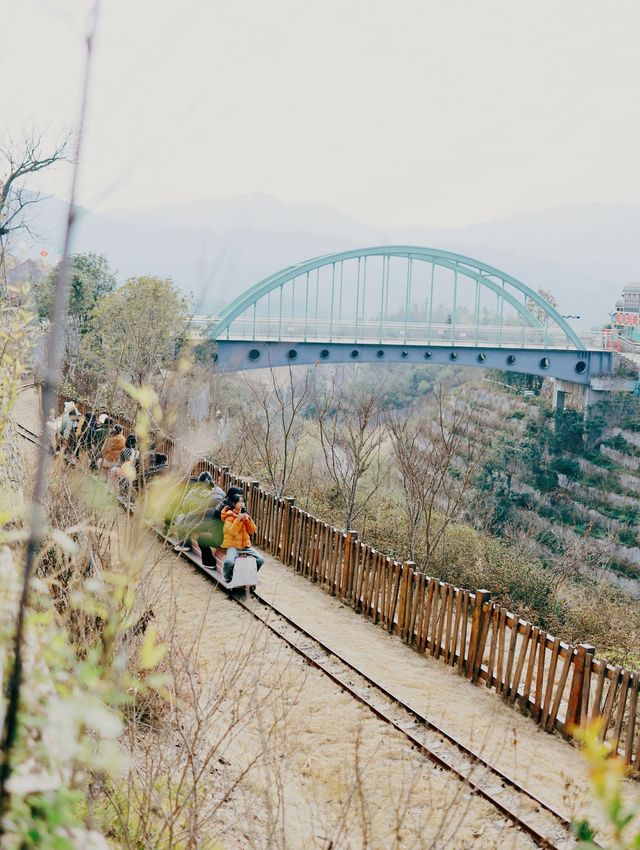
215,248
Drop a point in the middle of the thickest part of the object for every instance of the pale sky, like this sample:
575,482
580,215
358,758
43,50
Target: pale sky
437,112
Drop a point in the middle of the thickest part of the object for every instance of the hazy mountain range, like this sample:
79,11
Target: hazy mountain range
215,248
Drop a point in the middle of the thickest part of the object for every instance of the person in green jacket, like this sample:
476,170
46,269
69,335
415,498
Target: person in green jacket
194,516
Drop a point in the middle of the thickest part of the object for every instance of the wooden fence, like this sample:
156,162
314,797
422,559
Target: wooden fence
559,685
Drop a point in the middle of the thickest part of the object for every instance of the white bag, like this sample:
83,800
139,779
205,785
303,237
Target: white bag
245,572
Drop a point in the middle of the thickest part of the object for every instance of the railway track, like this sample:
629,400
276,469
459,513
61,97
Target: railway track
28,435
547,827
544,825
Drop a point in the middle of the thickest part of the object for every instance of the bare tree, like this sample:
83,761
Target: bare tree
437,453
351,432
275,431
538,310
18,161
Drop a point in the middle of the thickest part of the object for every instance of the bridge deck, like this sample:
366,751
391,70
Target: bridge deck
566,364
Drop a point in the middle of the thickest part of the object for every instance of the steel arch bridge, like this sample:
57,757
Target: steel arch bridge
400,303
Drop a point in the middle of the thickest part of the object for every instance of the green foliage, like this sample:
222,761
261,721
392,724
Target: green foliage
620,410
607,772
621,445
598,459
136,331
533,458
558,512
568,434
91,280
548,538
567,466
545,480
626,514
628,537
80,663
70,699
524,500
16,331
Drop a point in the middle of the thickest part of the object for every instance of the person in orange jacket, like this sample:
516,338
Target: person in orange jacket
238,528
112,447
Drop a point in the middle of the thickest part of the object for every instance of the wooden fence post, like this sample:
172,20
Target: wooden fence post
476,645
286,529
356,557
406,597
254,486
347,561
579,683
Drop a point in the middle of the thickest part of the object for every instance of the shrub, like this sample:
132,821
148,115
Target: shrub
607,620
628,537
567,466
546,481
519,582
547,538
569,432
523,500
598,459
619,444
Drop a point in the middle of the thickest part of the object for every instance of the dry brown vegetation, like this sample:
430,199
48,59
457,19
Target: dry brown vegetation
419,500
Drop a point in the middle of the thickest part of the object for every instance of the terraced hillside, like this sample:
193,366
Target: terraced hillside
565,485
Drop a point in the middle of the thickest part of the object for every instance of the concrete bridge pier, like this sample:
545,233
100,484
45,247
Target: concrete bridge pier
562,389
586,395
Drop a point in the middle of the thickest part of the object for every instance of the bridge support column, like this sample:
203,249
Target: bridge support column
586,395
562,389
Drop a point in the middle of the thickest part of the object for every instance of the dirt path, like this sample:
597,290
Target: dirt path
545,764
344,776
27,412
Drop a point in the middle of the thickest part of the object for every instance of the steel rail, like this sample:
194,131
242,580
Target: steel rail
27,434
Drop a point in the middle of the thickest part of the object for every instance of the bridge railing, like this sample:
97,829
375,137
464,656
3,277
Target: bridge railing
389,333
560,685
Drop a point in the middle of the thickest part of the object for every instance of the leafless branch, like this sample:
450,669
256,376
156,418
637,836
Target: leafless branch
350,429
275,431
437,455
20,161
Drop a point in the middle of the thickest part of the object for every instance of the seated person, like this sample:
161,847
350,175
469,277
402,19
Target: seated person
238,528
199,513
113,445
210,533
127,462
155,464
97,439
130,451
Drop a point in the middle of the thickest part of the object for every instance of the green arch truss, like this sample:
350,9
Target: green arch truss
318,314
